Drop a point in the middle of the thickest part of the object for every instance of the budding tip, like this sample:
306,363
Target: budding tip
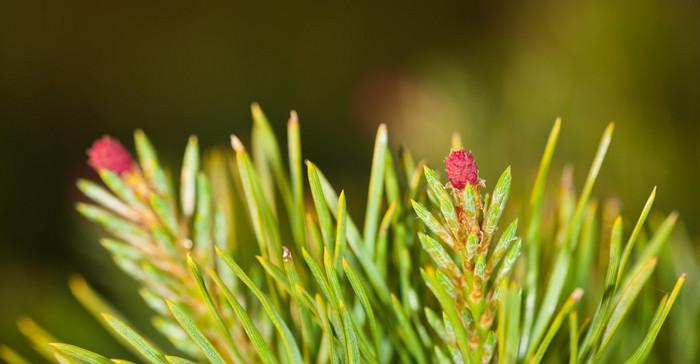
577,294
108,153
461,169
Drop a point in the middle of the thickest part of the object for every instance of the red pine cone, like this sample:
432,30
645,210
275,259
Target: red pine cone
461,169
108,153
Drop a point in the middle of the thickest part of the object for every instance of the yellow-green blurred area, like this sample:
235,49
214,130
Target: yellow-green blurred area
497,72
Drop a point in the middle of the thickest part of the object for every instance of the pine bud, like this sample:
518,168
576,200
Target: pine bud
461,169
107,153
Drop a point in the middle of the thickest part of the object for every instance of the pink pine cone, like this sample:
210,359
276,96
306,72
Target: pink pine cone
108,153
461,169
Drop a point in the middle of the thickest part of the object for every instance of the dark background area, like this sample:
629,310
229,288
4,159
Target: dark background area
498,72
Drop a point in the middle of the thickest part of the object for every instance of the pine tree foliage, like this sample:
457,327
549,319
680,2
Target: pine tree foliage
430,273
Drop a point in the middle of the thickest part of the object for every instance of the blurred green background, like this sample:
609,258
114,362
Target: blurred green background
498,72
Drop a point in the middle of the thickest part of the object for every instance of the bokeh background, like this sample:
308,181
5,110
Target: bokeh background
498,72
